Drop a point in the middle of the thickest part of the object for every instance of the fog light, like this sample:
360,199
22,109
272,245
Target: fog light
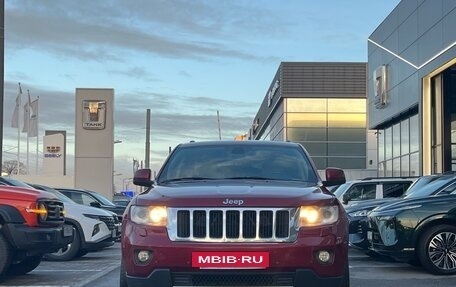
96,229
324,256
143,256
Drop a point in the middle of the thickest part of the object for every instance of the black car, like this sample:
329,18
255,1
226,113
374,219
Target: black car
418,230
92,198
429,185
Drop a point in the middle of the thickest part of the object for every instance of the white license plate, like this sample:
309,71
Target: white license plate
67,230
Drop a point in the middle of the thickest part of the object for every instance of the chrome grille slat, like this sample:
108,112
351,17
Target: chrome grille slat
233,224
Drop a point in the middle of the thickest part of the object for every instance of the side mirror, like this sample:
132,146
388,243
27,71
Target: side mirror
345,198
334,176
143,177
95,204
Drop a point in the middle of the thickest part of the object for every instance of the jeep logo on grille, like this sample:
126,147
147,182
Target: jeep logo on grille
233,201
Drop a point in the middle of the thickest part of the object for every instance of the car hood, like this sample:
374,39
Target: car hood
403,203
369,204
232,193
22,193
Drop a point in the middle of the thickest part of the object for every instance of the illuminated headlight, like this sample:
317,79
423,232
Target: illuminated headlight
318,215
40,210
359,213
150,215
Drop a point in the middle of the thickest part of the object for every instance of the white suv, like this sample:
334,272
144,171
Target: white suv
371,188
95,228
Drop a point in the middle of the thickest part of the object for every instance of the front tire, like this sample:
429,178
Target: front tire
5,254
123,276
437,249
25,266
68,252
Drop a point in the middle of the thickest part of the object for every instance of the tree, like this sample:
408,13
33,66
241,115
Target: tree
10,167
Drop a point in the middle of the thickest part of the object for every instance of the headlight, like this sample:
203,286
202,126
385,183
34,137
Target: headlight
359,213
40,210
150,215
318,215
93,216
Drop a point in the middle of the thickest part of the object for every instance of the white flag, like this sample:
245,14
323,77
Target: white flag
25,127
15,118
33,127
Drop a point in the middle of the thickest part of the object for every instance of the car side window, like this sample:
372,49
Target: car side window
362,192
86,200
451,189
394,189
76,197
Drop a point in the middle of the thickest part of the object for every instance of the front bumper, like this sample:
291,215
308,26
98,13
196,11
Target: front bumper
38,240
357,230
168,278
290,263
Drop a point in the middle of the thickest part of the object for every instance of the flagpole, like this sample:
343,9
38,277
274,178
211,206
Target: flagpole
37,133
18,167
28,131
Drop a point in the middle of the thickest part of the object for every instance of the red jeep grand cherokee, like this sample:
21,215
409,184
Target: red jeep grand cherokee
236,213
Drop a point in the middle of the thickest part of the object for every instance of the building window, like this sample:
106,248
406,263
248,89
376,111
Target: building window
333,131
398,148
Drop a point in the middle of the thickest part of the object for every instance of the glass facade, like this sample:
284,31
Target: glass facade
332,130
398,148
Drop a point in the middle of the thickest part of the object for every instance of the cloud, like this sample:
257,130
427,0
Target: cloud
91,30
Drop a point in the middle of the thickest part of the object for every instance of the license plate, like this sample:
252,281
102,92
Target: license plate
230,260
369,235
67,230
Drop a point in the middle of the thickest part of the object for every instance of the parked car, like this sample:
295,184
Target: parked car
355,191
32,223
92,198
417,230
121,199
428,185
236,213
94,228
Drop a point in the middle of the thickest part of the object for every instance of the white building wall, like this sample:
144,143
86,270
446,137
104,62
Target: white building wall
94,141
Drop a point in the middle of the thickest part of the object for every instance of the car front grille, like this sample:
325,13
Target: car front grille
109,221
55,212
233,224
232,279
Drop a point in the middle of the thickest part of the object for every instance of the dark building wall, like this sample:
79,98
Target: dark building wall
312,80
323,80
410,37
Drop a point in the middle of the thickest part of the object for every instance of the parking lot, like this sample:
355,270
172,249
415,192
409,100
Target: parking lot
101,269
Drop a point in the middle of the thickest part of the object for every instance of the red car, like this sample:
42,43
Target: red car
237,213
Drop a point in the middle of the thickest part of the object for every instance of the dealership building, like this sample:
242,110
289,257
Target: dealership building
412,88
322,106
395,115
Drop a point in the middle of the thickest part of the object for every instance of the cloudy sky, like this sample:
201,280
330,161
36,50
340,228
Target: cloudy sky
184,60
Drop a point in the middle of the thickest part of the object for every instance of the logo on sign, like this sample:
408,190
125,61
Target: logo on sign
380,87
94,114
52,152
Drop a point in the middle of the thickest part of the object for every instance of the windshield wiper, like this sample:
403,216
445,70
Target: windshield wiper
186,179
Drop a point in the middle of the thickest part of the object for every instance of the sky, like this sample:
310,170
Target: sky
183,60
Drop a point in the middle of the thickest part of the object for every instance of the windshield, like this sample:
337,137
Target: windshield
256,162
55,192
102,199
427,185
14,182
